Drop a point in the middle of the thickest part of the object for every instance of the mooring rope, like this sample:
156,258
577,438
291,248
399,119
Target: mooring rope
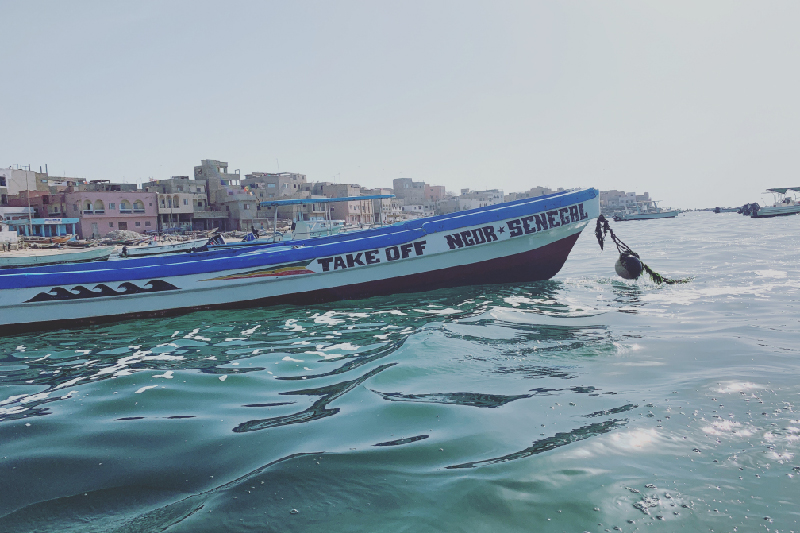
603,229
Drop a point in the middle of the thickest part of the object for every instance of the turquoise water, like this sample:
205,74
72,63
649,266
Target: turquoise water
584,403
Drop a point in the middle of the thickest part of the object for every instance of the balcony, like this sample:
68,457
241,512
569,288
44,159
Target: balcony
91,212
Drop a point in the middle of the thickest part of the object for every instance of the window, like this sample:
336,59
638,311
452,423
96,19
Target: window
122,225
246,206
146,223
185,201
138,223
270,185
112,205
110,224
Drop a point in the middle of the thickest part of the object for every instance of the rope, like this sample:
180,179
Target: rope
603,230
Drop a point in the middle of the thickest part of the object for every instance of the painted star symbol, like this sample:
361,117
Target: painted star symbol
501,229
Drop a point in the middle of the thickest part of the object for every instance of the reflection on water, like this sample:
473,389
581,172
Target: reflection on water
420,411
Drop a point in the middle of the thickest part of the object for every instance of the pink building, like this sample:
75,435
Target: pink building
104,211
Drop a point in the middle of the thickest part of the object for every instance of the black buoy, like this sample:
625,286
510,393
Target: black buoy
628,266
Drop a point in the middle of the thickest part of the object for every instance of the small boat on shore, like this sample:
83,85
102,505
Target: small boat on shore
784,205
515,242
157,248
51,256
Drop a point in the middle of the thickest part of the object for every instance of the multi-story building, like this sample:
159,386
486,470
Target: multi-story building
409,190
475,199
533,192
233,206
381,207
15,180
179,198
105,210
435,193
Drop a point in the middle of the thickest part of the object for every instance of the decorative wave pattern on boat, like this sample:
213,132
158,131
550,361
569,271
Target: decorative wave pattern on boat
80,292
286,270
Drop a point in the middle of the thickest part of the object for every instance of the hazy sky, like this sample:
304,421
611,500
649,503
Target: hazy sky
696,102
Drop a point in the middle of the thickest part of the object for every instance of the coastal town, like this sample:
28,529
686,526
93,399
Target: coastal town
37,205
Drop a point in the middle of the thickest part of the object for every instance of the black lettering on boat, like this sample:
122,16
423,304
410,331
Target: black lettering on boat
454,241
514,228
338,263
573,213
551,219
392,253
354,259
584,216
405,250
370,256
526,224
489,232
541,221
419,247
478,236
467,236
325,262
561,212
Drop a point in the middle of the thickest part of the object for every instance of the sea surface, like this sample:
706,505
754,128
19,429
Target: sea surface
583,403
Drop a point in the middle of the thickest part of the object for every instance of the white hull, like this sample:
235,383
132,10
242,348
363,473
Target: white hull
778,211
53,257
156,249
646,216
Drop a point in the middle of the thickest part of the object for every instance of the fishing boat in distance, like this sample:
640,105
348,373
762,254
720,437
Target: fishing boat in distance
644,212
784,204
515,242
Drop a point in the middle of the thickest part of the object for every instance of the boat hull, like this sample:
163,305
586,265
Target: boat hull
171,248
21,261
477,247
646,216
780,211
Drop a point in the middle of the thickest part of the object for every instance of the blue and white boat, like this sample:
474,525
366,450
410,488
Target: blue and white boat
521,241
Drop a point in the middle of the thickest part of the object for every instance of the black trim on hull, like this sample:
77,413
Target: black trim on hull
534,265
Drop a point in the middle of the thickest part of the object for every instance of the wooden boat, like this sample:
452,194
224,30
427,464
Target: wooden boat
23,259
157,248
521,241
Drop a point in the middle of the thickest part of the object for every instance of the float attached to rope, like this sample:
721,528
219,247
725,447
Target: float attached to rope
629,265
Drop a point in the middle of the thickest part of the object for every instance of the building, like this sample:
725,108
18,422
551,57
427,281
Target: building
179,198
381,207
533,192
15,180
475,199
102,211
407,189
232,206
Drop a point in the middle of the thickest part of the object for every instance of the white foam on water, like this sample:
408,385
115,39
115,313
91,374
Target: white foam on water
148,387
223,378
287,358
779,274
726,387
167,375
